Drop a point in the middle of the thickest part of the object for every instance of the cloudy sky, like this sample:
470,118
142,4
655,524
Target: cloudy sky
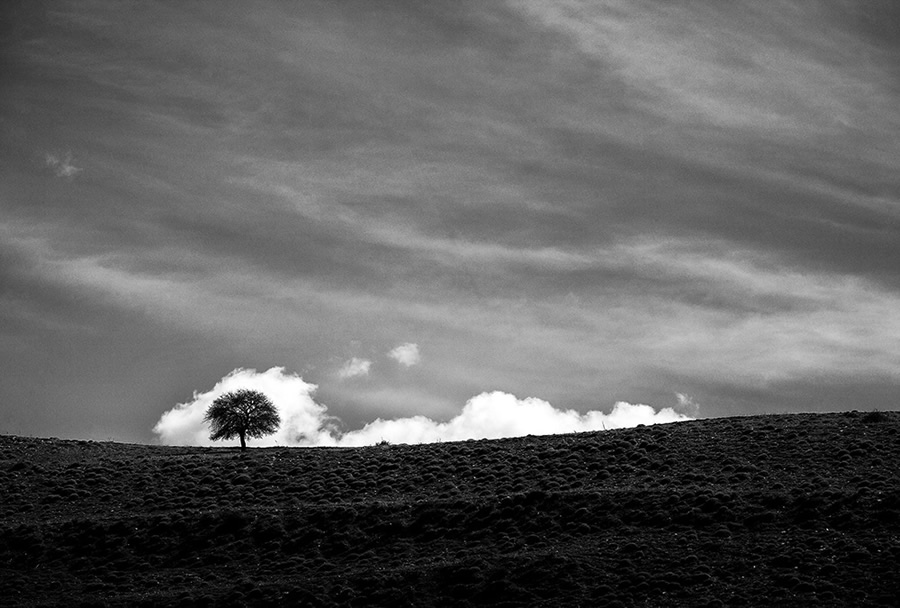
415,206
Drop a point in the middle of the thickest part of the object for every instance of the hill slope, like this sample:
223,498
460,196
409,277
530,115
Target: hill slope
771,510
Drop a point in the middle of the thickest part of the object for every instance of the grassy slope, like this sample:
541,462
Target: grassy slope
772,510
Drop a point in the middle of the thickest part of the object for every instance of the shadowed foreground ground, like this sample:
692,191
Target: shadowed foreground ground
761,511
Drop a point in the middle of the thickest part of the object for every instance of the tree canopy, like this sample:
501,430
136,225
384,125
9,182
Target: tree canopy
243,413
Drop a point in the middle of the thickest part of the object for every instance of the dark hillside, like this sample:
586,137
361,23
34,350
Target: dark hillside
761,511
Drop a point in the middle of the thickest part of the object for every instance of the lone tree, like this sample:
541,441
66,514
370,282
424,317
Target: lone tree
243,413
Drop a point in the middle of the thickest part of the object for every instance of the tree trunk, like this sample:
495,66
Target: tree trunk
243,443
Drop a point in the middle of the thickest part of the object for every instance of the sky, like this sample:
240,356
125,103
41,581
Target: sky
436,215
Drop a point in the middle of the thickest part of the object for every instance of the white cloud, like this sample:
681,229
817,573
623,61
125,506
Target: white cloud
497,414
406,354
300,415
490,415
62,165
355,367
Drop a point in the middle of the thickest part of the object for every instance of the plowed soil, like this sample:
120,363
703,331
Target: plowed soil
790,510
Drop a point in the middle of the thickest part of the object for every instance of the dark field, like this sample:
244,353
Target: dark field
788,510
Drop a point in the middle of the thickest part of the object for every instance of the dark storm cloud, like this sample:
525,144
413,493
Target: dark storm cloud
583,202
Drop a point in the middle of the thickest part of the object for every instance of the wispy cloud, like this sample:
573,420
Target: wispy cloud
62,165
568,199
779,67
355,368
406,354
685,309
687,405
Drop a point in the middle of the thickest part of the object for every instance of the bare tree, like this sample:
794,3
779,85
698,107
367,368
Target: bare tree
243,413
